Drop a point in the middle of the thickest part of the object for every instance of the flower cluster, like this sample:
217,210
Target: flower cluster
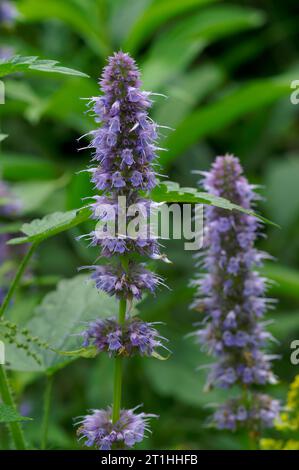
115,280
124,148
260,412
232,292
133,337
98,429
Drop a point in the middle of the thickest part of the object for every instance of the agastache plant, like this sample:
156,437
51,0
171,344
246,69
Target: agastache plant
124,150
231,294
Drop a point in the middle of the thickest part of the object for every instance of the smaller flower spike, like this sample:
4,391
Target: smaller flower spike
133,337
231,292
98,430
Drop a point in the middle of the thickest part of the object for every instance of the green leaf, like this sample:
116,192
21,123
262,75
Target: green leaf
50,225
157,14
9,415
59,319
175,48
171,191
84,18
25,64
218,115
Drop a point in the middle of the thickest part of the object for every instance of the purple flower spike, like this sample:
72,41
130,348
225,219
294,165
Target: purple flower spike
98,431
232,292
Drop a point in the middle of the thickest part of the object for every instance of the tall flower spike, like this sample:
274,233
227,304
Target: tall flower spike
122,168
232,295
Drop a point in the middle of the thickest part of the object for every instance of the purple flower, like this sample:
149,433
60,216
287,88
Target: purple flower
98,431
232,287
133,337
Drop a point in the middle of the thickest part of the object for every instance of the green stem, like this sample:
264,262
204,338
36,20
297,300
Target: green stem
118,368
17,278
5,391
47,405
15,428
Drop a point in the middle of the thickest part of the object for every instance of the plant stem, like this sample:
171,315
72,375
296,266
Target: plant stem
118,368
15,428
17,278
47,405
5,391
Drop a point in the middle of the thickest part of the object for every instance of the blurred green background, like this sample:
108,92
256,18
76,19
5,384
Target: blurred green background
226,68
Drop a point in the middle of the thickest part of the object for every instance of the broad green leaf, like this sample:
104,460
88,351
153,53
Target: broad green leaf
174,50
218,115
18,167
59,319
25,64
84,18
157,14
9,415
3,137
50,225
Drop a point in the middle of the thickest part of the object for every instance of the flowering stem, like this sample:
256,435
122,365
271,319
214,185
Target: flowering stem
47,403
6,394
17,278
118,368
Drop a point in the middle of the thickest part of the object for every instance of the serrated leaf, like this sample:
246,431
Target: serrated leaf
58,321
50,225
25,64
9,415
171,191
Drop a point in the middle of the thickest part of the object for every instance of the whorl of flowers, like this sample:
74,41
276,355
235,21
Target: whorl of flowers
133,337
232,293
98,430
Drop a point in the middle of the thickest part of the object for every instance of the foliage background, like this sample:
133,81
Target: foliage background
226,68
